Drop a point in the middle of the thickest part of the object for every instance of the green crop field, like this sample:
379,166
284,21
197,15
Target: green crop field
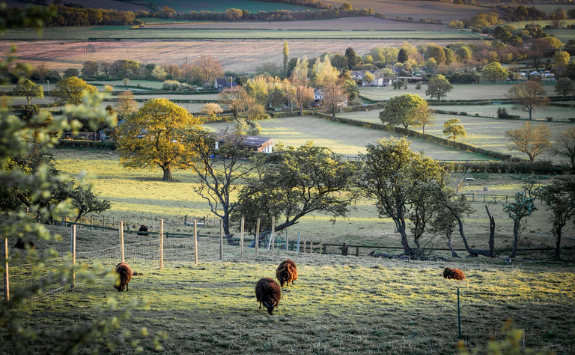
223,5
459,92
124,32
338,305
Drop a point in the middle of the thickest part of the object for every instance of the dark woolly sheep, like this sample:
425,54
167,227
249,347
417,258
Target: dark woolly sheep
125,275
456,274
286,272
20,244
269,293
143,230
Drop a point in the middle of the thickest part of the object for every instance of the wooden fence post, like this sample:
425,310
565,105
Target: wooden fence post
196,240
221,239
6,273
272,237
122,241
242,237
73,249
257,234
161,244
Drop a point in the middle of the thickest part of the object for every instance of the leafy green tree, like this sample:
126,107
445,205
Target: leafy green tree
528,96
346,7
234,99
438,86
495,72
90,69
464,53
559,196
400,110
565,86
70,72
530,140
352,58
286,57
302,180
398,84
449,56
154,137
71,90
29,90
351,90
401,180
454,128
436,52
368,78
424,117
402,57
303,92
521,208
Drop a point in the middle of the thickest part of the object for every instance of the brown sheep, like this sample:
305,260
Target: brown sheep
286,272
456,274
269,293
125,275
20,244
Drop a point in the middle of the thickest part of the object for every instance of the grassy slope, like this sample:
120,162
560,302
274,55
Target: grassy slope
339,305
223,5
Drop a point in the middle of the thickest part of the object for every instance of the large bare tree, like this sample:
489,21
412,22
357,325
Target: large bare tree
209,67
530,140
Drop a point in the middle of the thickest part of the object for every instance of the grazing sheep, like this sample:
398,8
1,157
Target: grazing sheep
286,272
269,293
20,244
125,275
143,230
456,274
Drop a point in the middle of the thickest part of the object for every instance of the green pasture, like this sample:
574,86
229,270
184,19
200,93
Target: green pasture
563,34
459,92
223,5
338,305
124,32
141,194
341,138
119,84
558,113
169,96
482,132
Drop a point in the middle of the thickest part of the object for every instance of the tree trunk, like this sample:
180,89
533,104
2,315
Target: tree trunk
491,233
404,241
448,235
530,118
167,174
516,226
472,252
301,110
558,242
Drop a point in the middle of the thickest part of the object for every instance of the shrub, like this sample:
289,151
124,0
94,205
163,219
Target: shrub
462,113
549,119
418,86
476,115
572,119
171,85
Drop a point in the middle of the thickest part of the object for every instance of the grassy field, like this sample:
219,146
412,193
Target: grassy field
558,113
96,4
342,138
483,132
341,24
338,305
563,34
124,32
459,92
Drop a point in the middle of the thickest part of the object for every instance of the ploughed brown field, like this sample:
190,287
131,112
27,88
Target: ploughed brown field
237,55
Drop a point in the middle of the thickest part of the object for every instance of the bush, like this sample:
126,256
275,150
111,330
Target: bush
418,86
571,119
549,119
171,85
476,115
462,113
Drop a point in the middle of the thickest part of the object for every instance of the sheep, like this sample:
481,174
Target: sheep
125,275
269,293
286,272
143,230
456,274
20,244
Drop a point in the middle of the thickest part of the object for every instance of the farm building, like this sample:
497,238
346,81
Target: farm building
317,95
255,143
221,84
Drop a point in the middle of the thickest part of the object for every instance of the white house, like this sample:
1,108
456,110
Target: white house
317,95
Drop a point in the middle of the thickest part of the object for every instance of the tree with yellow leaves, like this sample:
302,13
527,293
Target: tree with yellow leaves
154,137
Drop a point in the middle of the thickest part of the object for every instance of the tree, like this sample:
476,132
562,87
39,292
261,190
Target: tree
333,95
521,208
400,110
42,71
286,57
125,81
528,96
402,57
220,170
565,146
400,180
559,196
352,58
303,180
532,141
126,104
424,117
495,72
70,72
159,73
154,136
564,86
445,220
84,200
29,90
209,67
453,128
560,61
368,78
211,109
438,87
70,90
346,7
303,93
233,99
90,69
436,52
